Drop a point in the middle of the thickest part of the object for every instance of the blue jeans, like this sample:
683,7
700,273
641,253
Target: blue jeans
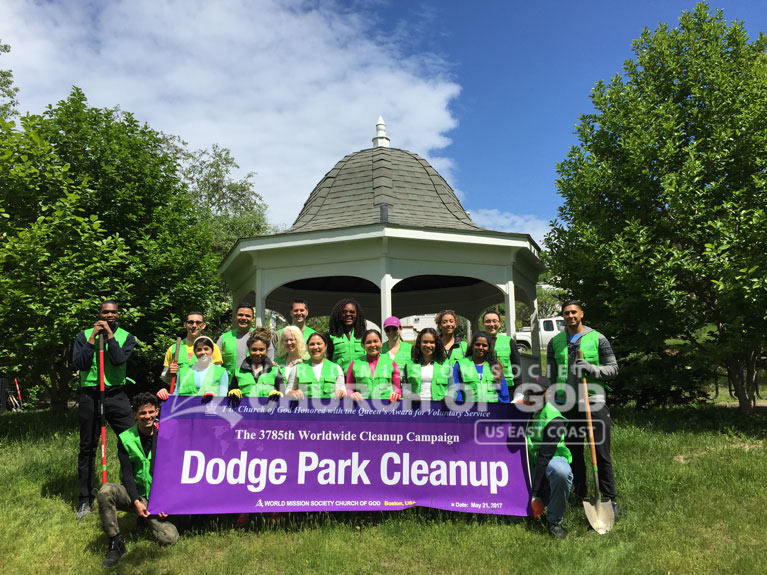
556,490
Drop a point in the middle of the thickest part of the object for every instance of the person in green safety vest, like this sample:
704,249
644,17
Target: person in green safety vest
428,374
397,349
598,365
118,347
257,376
347,324
455,347
290,353
373,376
550,474
299,313
194,324
479,376
506,349
203,377
318,377
234,343
136,448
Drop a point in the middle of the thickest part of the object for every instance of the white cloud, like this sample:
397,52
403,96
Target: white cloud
494,219
291,87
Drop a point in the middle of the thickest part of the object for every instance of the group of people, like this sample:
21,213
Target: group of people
350,361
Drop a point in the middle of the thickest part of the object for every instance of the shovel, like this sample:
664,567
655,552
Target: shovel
599,510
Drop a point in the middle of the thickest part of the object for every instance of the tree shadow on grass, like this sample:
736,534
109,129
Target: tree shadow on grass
36,425
61,487
696,419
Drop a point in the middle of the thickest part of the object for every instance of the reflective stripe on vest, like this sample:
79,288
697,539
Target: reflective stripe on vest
377,385
439,378
535,429
308,383
142,465
113,374
210,382
482,390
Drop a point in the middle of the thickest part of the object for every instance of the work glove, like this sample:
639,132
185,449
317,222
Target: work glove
233,398
538,507
583,368
275,395
163,394
207,397
395,396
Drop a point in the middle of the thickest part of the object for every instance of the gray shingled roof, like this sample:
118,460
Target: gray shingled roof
353,192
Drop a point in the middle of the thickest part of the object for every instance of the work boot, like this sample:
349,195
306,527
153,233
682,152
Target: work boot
83,509
616,513
557,531
116,550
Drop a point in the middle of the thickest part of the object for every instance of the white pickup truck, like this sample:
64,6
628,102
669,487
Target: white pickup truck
548,328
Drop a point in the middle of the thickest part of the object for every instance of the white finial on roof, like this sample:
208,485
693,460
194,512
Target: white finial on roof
380,141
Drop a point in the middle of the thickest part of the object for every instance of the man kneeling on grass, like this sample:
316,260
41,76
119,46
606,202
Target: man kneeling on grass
135,449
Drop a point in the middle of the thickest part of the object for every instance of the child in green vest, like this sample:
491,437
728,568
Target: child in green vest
257,376
479,376
373,376
428,374
203,377
318,377
551,476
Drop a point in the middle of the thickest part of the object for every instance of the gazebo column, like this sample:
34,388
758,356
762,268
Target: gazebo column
258,288
386,284
511,309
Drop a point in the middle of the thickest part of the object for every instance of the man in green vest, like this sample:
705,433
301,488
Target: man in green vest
136,448
505,348
118,347
299,313
234,343
597,366
194,324
550,473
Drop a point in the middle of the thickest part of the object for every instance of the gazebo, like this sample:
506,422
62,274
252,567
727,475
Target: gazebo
385,228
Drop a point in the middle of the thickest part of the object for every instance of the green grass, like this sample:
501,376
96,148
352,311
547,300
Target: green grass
691,484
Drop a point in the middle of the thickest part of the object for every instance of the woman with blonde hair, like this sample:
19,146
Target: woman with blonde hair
291,351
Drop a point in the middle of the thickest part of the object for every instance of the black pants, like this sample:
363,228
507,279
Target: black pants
118,413
577,430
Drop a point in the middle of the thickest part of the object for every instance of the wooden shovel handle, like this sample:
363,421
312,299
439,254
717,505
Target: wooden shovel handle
591,431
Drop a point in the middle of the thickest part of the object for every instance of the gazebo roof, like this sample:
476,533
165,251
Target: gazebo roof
382,185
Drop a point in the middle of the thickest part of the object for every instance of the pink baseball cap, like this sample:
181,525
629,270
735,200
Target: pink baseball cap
392,321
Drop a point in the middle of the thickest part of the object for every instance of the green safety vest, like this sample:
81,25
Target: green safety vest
484,389
589,344
535,429
403,354
439,380
210,382
502,349
252,388
113,374
373,386
229,351
346,350
131,440
325,387
184,360
457,352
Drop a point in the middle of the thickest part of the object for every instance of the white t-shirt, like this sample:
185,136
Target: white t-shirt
427,374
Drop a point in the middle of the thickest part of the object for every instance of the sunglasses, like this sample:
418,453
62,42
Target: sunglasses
194,322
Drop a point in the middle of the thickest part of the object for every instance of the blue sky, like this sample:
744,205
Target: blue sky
488,92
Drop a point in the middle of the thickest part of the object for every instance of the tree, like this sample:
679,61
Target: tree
8,91
662,227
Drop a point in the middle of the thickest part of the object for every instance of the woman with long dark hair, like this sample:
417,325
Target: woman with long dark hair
447,322
373,376
347,324
318,377
479,375
428,374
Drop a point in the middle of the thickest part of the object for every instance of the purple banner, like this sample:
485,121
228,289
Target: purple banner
338,456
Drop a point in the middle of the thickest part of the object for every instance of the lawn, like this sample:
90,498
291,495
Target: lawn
691,484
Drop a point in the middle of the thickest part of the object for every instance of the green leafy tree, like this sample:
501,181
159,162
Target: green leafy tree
8,91
662,227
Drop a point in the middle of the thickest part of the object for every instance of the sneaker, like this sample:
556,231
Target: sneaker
616,513
83,509
116,550
557,531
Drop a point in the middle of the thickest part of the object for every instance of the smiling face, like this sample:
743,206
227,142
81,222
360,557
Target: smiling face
194,325
447,324
349,315
145,417
392,333
257,352
372,345
244,319
480,349
573,316
491,323
428,345
202,349
317,348
289,341
108,313
298,313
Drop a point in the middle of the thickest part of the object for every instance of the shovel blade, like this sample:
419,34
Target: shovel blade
600,514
